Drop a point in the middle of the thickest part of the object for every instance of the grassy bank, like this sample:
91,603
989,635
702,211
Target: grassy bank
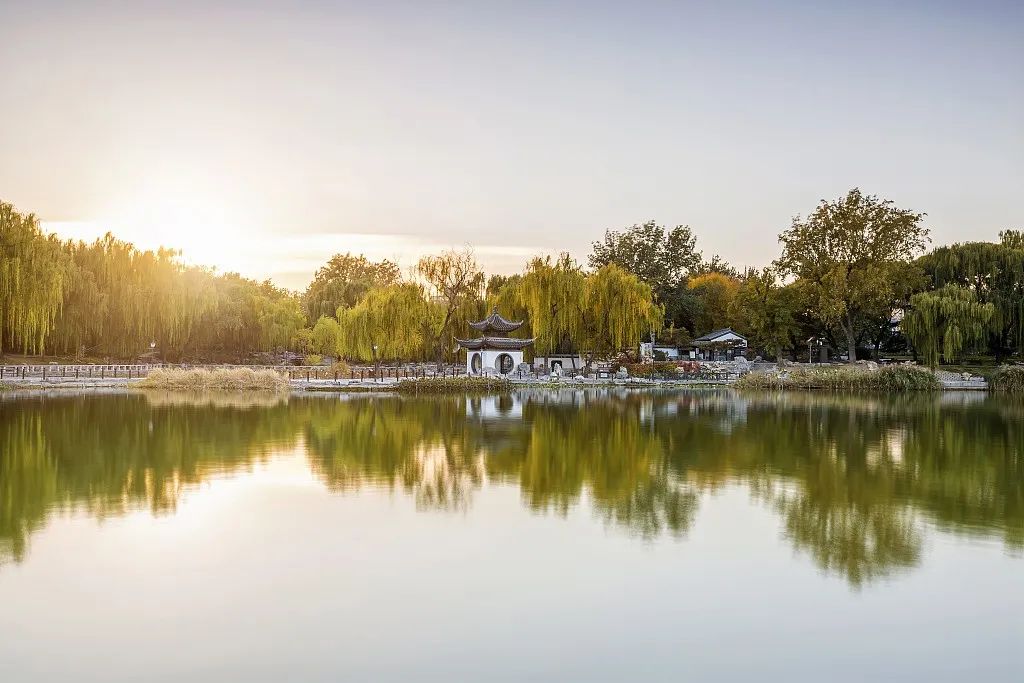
228,379
455,385
894,379
1009,379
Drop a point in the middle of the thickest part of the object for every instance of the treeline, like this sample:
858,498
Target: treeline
107,298
852,275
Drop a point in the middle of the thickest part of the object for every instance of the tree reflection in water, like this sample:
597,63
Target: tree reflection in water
852,479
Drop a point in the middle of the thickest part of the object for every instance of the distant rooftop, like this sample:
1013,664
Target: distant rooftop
718,334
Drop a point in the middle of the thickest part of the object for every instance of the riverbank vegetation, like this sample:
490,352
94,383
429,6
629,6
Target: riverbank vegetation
851,277
1008,379
892,380
222,379
455,385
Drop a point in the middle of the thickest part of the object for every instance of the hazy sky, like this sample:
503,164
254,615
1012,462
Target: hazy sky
263,137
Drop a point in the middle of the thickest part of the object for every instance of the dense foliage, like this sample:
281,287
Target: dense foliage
849,278
943,322
107,298
994,273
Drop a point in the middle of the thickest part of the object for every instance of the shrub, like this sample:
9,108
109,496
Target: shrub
340,367
1008,379
455,385
222,379
313,359
896,378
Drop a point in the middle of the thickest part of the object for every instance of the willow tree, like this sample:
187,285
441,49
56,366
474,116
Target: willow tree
326,336
618,312
853,258
390,323
942,323
33,277
994,272
455,281
553,295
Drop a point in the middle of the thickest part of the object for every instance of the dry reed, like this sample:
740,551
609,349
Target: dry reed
1008,379
221,379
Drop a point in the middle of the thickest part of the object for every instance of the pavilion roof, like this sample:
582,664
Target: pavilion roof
502,343
495,323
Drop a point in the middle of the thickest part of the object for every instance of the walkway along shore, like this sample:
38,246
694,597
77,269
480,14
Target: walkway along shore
308,378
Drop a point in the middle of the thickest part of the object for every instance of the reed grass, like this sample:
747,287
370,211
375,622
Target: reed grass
223,379
1008,379
455,385
893,379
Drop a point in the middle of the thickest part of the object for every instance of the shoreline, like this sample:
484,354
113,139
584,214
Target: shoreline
391,385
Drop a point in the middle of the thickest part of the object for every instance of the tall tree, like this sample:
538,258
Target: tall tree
392,322
942,323
994,272
343,281
715,292
34,273
618,312
767,311
456,281
661,258
854,257
553,294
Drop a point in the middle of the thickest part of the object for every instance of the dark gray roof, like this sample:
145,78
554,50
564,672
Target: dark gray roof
495,323
712,336
503,343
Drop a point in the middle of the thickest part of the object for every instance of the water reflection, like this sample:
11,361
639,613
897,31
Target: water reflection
856,482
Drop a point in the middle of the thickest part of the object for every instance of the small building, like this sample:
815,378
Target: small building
719,345
494,352
649,351
558,361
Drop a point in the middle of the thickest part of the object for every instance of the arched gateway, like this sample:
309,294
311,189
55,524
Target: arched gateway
495,354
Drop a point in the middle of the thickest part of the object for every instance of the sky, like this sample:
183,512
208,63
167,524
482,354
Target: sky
263,137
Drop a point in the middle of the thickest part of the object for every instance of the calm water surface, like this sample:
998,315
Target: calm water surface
541,537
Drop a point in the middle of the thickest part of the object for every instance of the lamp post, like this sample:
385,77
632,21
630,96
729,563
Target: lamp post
376,363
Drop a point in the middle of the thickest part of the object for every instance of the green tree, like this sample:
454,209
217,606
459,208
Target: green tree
854,258
343,281
944,322
994,272
618,311
715,294
767,311
553,294
34,274
326,336
658,257
390,323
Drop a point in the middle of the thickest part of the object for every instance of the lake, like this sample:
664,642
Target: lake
594,535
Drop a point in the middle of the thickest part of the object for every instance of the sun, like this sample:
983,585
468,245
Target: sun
205,232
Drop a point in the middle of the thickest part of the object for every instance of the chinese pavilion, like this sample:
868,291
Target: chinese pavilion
494,353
